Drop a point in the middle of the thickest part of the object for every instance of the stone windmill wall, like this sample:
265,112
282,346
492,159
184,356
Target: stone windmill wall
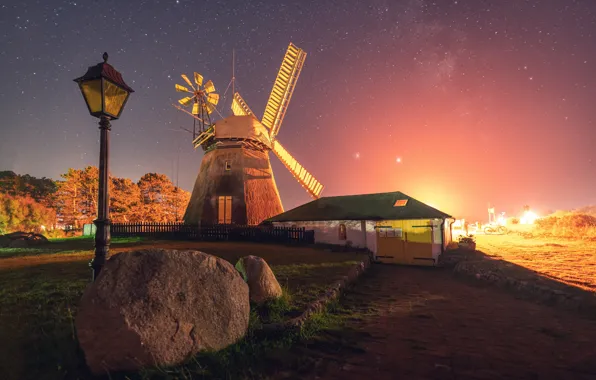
244,174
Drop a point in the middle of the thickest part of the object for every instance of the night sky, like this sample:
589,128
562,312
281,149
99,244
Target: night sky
457,103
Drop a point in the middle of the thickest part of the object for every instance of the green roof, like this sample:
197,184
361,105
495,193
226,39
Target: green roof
361,207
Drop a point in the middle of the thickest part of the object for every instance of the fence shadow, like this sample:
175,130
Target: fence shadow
482,269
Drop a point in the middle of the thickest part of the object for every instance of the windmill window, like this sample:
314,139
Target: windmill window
228,165
224,210
342,232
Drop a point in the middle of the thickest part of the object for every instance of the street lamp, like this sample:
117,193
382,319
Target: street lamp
105,94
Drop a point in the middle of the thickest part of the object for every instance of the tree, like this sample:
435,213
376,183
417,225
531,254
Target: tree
67,198
161,201
125,200
40,189
24,214
76,196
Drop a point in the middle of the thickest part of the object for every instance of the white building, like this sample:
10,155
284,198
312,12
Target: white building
393,226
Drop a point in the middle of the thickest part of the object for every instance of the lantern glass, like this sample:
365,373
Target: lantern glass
92,93
114,98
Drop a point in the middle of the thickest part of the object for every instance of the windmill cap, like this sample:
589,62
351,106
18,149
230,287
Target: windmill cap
242,127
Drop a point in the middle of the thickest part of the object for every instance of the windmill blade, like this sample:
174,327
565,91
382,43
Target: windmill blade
195,109
312,186
283,88
239,106
204,137
198,79
213,98
185,101
208,107
180,88
209,87
186,112
187,81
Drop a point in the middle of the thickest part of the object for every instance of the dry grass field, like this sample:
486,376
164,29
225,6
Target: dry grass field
572,262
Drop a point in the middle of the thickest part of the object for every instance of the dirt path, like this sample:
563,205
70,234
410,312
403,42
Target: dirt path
422,323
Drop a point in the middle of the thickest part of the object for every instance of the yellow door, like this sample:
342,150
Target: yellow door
419,237
390,242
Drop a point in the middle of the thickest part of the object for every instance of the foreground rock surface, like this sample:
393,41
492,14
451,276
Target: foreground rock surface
159,307
260,278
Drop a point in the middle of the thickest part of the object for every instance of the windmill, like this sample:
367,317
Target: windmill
235,184
203,100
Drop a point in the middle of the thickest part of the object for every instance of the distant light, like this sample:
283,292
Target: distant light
398,160
357,155
529,217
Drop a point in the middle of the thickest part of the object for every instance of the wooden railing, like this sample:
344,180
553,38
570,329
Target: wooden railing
227,232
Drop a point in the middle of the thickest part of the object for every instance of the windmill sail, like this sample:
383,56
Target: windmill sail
312,186
283,89
239,106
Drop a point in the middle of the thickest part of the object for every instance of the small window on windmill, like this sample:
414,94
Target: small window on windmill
400,203
228,165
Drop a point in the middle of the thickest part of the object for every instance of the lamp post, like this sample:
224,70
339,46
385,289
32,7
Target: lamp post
105,94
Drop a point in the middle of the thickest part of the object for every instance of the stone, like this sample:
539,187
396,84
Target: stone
19,243
159,307
260,278
4,242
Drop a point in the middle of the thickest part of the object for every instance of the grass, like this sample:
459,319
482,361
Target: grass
572,262
40,289
571,225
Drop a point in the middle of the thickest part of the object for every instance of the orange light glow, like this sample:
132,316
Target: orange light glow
529,217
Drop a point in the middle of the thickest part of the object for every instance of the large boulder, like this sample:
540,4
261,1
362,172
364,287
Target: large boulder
260,278
159,307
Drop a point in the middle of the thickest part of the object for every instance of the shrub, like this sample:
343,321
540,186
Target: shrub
467,239
568,225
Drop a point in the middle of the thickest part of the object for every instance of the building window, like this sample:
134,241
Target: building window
400,203
342,232
224,211
228,165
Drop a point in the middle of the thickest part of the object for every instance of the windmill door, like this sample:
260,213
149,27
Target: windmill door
224,209
391,243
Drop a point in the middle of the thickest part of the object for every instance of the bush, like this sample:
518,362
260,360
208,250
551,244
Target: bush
467,239
54,234
569,225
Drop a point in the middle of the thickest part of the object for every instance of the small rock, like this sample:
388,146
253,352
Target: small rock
260,278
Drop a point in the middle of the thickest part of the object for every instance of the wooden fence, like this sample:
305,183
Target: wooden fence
181,231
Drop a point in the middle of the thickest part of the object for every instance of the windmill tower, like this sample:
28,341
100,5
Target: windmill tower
235,184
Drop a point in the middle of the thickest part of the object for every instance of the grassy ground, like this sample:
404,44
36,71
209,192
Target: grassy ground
572,262
40,288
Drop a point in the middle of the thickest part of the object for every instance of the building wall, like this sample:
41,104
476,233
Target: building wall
361,234
243,174
419,239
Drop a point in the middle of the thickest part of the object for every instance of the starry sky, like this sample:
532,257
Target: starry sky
458,103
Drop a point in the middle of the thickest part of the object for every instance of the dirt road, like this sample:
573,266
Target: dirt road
420,323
